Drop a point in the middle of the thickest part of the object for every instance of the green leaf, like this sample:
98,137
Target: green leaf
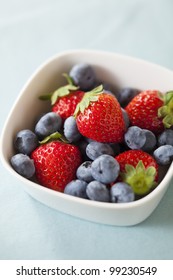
45,97
141,179
168,96
54,136
61,92
89,97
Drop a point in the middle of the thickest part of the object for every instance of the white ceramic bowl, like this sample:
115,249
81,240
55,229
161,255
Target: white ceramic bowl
112,68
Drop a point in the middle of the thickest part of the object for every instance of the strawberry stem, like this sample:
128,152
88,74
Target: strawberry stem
141,179
166,111
61,91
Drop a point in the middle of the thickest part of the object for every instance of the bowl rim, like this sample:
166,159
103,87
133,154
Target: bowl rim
108,205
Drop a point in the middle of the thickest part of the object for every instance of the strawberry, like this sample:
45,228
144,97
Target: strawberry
56,164
66,105
65,99
139,170
151,110
99,117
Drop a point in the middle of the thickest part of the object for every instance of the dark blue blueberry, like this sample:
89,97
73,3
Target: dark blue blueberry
105,169
84,172
125,95
150,142
95,149
98,192
82,144
76,188
121,192
126,118
135,138
23,165
71,131
164,154
166,138
48,124
83,76
25,142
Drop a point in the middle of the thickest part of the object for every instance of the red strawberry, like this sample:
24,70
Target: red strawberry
56,164
139,170
151,110
65,99
99,117
66,105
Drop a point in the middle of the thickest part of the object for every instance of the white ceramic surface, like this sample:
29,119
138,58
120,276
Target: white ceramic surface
110,67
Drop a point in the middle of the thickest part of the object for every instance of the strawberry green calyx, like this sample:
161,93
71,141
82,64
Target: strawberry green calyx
60,92
53,136
90,96
166,111
141,179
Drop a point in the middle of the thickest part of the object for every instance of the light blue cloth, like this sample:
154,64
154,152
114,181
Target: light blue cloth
30,32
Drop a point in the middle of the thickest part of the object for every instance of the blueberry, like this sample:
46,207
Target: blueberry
150,142
23,165
135,138
98,192
25,141
121,192
166,138
125,117
84,172
95,149
76,188
82,144
71,131
48,124
125,95
105,169
164,154
83,76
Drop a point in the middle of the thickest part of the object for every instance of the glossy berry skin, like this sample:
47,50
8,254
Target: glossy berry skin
137,138
132,157
125,95
98,192
96,149
76,188
164,154
143,111
71,131
66,105
102,120
25,141
105,169
134,138
84,172
48,124
121,193
83,76
56,164
166,137
23,165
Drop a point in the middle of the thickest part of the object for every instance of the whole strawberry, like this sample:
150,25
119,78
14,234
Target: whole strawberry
65,99
66,105
56,164
139,170
151,110
99,117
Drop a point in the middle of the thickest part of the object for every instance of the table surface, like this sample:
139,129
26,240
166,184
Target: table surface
32,31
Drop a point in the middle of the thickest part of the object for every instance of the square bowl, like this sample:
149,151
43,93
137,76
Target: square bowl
115,69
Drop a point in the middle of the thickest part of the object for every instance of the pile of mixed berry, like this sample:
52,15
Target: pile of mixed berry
97,143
